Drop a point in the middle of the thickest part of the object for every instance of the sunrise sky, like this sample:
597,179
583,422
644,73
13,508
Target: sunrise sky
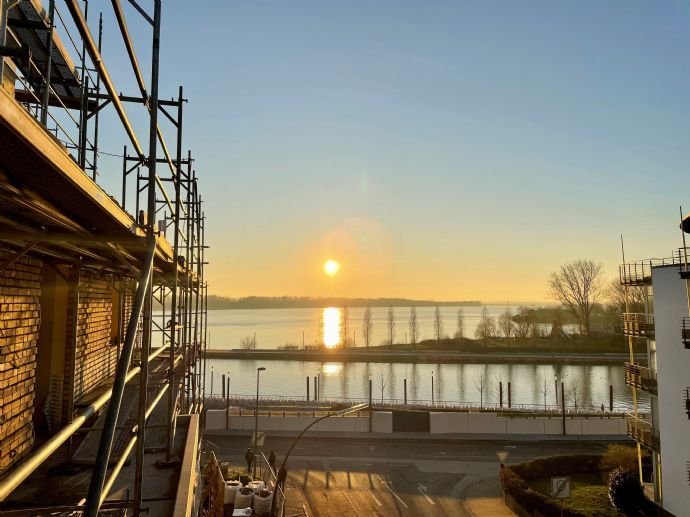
445,150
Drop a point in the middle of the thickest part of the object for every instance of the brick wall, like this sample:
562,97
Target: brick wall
20,287
95,357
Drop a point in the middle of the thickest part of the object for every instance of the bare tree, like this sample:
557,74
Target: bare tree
615,294
367,326
381,382
505,323
544,387
345,326
486,329
460,332
391,325
480,385
524,322
578,286
248,343
438,324
575,394
414,326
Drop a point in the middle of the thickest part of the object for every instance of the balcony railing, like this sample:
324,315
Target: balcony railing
642,431
638,324
640,377
640,272
685,332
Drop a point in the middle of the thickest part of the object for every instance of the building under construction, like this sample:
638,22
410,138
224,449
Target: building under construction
102,293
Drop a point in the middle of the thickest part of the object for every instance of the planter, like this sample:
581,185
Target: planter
262,502
244,498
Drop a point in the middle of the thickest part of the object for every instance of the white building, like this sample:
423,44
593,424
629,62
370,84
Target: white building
666,431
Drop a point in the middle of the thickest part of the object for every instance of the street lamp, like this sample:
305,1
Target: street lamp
256,415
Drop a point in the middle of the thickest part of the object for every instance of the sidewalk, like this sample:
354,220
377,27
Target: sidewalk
450,437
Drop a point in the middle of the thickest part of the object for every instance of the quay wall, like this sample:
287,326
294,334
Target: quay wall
440,423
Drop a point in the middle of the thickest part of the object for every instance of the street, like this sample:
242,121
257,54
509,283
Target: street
354,477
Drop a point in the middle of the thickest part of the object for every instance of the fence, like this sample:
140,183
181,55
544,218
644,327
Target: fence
276,404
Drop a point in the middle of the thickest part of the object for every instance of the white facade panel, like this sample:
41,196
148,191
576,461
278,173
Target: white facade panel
673,364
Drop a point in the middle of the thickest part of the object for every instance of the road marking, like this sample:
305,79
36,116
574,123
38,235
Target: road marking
422,490
384,483
374,498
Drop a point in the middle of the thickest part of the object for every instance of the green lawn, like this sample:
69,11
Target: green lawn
588,495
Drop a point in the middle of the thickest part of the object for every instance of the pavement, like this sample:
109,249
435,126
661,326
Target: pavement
358,477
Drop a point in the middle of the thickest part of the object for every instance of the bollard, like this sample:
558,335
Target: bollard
405,390
370,408
223,386
307,388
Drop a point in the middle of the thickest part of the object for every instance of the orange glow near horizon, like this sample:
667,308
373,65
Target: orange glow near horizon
331,327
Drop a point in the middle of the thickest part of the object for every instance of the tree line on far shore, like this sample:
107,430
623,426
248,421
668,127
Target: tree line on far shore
588,304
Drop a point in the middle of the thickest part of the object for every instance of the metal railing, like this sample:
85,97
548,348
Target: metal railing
637,324
267,474
685,332
640,272
641,377
276,405
642,431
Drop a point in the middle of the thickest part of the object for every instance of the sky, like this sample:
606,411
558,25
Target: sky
437,150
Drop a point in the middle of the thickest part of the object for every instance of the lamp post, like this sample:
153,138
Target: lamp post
256,415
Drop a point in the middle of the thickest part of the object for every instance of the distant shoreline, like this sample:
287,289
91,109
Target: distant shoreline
287,302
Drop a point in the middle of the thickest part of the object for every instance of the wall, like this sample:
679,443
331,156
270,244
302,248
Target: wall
441,423
20,289
95,356
673,363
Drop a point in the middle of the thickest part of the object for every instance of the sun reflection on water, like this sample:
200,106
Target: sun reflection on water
331,327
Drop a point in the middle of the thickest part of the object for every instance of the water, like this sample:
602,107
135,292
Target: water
465,383
277,327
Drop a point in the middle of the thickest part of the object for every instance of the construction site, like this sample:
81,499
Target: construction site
102,291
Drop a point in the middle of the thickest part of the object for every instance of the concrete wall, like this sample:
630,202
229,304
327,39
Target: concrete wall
673,363
440,423
20,288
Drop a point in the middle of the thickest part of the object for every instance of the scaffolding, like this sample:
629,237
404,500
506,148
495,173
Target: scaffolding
61,214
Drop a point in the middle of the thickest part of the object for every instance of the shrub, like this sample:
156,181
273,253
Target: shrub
625,491
619,456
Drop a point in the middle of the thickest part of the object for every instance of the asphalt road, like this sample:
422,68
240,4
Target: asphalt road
354,477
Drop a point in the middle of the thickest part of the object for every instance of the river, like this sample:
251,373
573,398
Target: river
531,385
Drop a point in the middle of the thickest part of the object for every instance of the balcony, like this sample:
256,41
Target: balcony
685,332
637,324
642,431
640,377
640,273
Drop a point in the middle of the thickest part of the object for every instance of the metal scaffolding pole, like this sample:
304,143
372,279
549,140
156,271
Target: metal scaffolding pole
151,229
176,252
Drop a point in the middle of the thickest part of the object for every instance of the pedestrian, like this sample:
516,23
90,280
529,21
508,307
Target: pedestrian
249,458
272,460
602,408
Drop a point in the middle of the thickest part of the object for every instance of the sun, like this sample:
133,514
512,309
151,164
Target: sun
331,267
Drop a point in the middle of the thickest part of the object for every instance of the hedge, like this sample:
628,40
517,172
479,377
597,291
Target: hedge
514,480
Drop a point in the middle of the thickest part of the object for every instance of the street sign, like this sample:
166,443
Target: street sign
260,437
502,456
560,487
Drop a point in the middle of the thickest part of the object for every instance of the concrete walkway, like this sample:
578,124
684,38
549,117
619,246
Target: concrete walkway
485,499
